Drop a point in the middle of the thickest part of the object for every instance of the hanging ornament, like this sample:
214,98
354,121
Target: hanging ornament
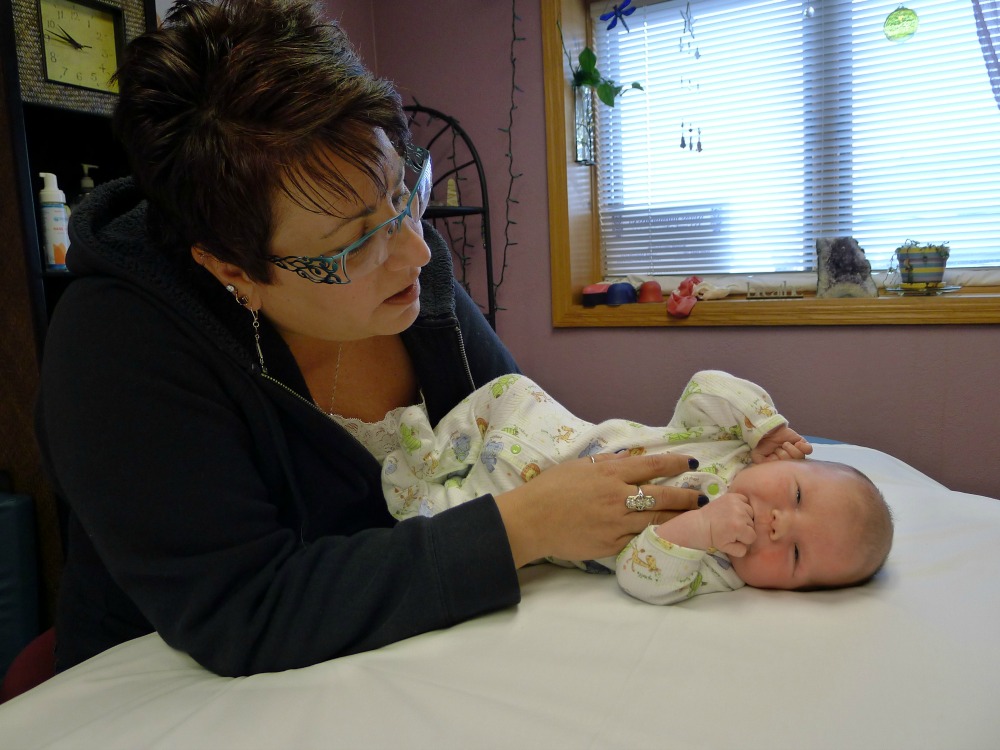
617,14
901,24
689,86
688,20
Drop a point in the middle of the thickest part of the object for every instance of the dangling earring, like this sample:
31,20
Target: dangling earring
243,300
256,339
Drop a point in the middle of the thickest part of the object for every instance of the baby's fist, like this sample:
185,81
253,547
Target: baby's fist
731,523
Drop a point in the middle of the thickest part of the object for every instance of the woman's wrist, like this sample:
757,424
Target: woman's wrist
522,529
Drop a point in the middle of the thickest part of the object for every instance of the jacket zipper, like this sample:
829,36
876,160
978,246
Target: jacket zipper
465,359
297,395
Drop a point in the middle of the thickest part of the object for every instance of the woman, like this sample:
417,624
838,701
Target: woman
276,275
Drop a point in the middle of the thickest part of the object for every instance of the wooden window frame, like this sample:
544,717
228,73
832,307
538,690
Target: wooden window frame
573,236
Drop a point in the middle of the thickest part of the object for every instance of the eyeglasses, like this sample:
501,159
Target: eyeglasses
369,252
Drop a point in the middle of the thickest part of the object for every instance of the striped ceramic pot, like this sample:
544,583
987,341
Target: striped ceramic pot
922,264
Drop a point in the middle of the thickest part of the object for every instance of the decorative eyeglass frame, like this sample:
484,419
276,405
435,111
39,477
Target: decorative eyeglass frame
330,269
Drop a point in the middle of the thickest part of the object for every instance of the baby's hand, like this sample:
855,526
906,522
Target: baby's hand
781,444
726,524
731,522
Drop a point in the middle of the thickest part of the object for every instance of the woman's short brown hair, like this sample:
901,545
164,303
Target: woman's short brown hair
228,103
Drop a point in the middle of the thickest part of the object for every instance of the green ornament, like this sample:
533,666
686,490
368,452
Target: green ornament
901,24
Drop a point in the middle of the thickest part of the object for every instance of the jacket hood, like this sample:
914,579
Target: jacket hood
108,238
107,232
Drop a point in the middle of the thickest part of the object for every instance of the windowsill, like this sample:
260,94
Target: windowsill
968,306
805,281
575,263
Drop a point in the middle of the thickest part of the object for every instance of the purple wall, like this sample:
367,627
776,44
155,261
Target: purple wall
356,18
864,385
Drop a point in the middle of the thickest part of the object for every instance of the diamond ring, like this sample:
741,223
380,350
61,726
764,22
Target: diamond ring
639,501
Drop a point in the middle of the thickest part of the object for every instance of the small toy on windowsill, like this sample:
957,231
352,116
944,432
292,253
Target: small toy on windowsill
595,294
683,299
650,291
842,270
621,293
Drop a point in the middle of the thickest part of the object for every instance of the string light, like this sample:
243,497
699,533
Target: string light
510,200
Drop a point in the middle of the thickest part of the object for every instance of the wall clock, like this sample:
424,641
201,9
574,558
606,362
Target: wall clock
68,49
80,43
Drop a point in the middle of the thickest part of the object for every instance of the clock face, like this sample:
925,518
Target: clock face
80,43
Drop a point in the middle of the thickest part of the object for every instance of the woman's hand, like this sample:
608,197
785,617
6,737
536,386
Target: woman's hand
576,510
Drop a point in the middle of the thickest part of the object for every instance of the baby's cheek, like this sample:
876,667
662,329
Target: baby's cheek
758,569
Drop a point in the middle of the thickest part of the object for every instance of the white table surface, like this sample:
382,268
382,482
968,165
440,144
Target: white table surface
911,660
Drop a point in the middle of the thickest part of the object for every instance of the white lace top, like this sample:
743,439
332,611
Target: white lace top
380,438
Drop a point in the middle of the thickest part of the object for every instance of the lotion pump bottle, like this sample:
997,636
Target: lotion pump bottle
54,220
86,185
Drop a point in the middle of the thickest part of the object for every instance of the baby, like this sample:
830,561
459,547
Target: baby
773,519
783,524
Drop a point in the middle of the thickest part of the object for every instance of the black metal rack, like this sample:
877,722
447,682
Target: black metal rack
459,192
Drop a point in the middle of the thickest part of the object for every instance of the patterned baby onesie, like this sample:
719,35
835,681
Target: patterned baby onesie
508,431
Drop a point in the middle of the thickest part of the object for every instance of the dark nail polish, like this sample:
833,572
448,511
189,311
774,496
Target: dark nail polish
693,463
702,501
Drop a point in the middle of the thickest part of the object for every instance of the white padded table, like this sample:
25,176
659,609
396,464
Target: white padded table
910,661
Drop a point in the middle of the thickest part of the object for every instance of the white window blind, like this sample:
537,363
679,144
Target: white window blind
810,124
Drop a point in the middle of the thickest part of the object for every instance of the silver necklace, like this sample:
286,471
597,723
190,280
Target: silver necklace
336,378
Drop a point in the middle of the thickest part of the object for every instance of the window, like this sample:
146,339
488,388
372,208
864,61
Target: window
766,124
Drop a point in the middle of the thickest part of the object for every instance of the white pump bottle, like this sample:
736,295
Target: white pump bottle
54,221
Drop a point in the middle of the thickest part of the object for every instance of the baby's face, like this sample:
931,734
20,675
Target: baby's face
806,515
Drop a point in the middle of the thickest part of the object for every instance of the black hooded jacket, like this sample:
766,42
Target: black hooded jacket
221,507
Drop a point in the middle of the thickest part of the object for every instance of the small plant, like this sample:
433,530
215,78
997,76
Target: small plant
921,264
586,75
926,248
